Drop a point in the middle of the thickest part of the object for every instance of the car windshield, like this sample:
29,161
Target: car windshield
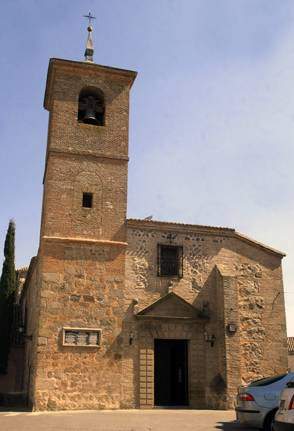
267,380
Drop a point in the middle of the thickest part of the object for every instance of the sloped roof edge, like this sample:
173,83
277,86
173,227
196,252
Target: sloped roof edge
249,240
162,299
212,230
169,225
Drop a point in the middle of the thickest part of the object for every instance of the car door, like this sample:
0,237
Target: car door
269,395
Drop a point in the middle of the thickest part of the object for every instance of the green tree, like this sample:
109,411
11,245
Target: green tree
7,292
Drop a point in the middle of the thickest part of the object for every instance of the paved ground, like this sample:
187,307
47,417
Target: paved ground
121,420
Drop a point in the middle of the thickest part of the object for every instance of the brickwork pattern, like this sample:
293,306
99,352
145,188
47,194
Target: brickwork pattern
146,378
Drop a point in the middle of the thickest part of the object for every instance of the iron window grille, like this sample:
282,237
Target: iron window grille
170,261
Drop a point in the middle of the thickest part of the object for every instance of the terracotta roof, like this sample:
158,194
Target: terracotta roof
291,345
175,226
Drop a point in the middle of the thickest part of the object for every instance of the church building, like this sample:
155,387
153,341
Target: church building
128,313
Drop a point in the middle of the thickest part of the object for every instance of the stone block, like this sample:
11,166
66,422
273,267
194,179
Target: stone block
42,341
51,277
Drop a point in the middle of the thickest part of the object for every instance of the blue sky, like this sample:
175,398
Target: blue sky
212,110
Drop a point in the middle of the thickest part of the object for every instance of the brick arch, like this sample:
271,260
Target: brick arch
91,97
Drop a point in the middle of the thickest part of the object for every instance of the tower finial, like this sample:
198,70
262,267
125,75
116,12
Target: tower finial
89,46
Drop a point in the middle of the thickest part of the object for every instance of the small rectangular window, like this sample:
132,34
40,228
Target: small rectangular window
170,261
87,200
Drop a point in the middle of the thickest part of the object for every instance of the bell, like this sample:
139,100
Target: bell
90,117
90,111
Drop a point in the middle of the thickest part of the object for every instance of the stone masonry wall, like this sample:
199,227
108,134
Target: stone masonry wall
255,294
87,285
82,286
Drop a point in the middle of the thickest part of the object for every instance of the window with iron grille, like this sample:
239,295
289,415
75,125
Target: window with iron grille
170,261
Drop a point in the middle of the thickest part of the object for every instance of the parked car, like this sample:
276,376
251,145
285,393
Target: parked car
284,419
257,403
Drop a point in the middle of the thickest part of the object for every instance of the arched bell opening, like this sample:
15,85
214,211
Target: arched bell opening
91,106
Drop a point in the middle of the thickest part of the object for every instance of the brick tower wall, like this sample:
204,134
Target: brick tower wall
81,258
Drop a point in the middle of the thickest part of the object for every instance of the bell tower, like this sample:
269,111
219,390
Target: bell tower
80,275
87,151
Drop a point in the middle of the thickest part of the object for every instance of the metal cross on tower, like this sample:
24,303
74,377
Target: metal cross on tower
90,17
89,47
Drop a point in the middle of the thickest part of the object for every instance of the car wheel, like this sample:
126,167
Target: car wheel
269,421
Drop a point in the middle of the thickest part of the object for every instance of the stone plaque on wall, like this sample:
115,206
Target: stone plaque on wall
85,337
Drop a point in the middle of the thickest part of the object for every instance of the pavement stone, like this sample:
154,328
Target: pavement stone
121,420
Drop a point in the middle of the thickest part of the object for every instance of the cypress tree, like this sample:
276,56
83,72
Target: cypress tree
7,292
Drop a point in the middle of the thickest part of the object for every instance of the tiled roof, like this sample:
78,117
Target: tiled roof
291,345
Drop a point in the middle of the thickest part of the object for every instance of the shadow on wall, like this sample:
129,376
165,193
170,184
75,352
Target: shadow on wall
205,300
12,381
209,302
124,349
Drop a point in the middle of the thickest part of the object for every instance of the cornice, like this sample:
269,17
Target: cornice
82,67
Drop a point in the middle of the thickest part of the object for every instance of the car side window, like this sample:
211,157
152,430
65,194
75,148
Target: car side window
267,380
